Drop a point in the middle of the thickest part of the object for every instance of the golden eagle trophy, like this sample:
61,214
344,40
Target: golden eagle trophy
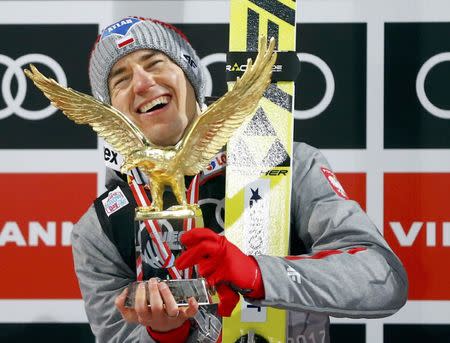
167,166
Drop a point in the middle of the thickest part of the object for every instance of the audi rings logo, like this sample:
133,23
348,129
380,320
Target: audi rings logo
14,69
420,85
329,87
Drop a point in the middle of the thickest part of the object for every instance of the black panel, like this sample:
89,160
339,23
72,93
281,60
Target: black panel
342,333
416,333
407,123
48,333
68,46
342,125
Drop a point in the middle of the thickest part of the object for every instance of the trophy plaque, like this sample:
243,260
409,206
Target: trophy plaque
182,290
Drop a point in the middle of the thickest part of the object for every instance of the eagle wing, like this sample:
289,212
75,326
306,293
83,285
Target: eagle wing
112,125
212,129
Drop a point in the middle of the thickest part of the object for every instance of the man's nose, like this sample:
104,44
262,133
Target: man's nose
142,80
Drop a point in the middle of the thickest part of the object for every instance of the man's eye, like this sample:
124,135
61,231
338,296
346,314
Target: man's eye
153,63
120,81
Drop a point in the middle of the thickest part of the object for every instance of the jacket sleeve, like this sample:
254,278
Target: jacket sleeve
102,275
349,270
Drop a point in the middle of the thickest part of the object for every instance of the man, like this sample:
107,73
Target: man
340,264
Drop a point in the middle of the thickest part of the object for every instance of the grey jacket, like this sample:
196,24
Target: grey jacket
360,278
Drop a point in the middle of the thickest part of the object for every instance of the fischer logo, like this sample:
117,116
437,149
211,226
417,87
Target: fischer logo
275,172
50,234
407,236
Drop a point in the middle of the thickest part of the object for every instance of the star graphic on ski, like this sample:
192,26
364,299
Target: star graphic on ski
255,196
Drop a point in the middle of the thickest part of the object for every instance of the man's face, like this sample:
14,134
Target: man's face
154,93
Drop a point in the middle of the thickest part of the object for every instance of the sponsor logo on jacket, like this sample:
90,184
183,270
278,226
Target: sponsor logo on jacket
114,201
217,163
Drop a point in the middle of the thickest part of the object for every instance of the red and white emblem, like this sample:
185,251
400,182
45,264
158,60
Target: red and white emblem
124,41
335,184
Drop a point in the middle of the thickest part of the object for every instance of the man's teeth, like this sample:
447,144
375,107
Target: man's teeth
162,100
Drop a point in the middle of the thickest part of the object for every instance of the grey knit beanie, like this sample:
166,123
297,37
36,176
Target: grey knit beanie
131,34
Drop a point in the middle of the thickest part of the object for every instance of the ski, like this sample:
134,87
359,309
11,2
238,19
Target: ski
258,179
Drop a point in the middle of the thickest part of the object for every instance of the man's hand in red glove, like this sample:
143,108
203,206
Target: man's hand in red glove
223,265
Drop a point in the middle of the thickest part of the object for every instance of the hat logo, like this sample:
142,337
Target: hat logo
120,28
190,60
123,42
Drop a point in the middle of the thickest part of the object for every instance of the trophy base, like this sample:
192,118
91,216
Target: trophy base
174,212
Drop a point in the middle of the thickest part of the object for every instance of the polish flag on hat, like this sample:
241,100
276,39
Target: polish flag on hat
123,42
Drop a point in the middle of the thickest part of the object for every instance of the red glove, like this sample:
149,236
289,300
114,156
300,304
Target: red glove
179,334
223,265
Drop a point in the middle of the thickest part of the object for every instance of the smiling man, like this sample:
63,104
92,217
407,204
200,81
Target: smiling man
340,264
155,93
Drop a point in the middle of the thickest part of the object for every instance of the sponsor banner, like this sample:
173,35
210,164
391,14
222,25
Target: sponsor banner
27,120
354,185
37,217
416,78
417,227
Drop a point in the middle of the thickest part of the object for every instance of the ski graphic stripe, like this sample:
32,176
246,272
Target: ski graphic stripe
277,9
253,30
278,97
273,31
